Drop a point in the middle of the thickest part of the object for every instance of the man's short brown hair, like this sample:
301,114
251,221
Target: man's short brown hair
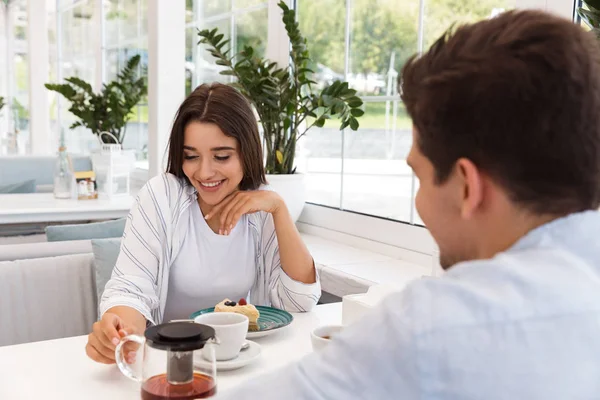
518,95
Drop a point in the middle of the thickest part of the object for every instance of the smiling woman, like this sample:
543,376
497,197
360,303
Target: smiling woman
206,230
212,119
213,171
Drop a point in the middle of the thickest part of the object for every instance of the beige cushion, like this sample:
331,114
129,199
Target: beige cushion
10,252
46,298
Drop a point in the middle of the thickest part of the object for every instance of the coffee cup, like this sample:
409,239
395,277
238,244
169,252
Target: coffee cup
230,331
322,335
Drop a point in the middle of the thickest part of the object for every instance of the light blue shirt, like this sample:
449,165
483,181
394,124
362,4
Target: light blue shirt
523,325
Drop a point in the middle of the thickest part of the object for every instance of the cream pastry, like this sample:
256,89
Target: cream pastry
241,307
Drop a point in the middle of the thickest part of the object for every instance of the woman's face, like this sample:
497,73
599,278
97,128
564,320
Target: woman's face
211,162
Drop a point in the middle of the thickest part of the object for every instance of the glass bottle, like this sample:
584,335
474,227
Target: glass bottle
64,176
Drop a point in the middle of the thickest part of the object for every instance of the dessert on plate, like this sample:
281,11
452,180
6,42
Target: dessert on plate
240,307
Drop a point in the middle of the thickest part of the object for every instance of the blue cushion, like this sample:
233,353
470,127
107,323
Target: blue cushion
106,252
95,230
19,187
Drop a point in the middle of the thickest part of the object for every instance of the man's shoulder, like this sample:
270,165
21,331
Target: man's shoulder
504,289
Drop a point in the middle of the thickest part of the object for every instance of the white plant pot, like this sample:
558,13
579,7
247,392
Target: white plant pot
292,189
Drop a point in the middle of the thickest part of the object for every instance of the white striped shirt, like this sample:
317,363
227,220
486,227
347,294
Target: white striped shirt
152,239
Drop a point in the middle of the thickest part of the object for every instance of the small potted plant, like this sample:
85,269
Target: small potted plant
106,114
286,101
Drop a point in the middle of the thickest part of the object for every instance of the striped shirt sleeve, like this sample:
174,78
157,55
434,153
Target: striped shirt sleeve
135,279
284,292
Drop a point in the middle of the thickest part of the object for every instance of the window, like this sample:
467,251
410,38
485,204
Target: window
93,40
75,56
53,47
126,35
14,84
243,21
366,43
576,17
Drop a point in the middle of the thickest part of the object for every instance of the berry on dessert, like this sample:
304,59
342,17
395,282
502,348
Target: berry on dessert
242,307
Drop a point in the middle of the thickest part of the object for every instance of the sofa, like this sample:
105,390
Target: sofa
16,169
47,291
50,286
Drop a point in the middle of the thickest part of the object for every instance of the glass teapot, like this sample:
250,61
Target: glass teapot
168,370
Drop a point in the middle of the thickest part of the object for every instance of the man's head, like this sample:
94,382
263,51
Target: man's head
506,117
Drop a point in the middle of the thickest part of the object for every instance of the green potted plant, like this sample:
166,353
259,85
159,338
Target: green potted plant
106,114
287,103
111,108
590,14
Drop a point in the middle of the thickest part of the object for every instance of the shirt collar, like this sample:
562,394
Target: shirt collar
560,228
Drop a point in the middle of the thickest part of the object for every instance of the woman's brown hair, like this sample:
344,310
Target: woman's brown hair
227,108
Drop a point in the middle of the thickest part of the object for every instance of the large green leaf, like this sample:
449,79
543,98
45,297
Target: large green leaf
357,112
355,102
86,87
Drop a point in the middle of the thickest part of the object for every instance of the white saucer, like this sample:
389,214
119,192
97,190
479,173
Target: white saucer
248,356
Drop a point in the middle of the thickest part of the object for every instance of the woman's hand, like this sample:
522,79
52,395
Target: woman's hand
296,261
108,332
239,203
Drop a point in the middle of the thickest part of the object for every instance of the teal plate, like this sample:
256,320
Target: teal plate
270,319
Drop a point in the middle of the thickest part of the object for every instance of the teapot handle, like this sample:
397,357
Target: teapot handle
119,356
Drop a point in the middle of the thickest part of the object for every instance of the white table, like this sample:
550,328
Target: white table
60,370
43,207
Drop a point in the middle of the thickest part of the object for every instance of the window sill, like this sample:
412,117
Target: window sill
347,270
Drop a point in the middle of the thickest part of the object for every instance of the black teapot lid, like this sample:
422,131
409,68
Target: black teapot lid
179,336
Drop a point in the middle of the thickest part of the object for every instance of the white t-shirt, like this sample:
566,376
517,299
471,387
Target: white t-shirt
210,267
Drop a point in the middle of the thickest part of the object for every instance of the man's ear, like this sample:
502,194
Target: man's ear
470,181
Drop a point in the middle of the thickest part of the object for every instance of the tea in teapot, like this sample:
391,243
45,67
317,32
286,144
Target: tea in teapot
168,370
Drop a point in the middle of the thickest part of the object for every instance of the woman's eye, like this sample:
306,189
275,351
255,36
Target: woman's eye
185,157
221,158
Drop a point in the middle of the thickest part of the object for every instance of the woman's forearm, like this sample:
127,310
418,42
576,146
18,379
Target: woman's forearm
296,260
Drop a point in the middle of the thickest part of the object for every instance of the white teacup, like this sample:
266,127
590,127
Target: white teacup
323,334
230,329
